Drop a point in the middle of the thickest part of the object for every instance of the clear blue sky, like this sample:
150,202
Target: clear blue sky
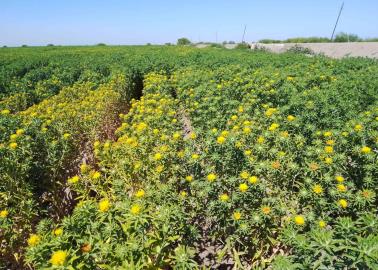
70,22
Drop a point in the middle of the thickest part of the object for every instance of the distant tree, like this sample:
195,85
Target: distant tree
216,45
50,45
24,46
5,46
243,46
269,41
345,37
183,41
168,44
307,40
101,44
148,44
371,39
231,42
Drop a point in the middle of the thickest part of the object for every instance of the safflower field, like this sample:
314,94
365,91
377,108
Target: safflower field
172,157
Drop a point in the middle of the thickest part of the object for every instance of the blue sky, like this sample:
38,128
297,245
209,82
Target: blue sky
80,22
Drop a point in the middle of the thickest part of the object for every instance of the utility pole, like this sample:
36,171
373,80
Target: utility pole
245,28
338,17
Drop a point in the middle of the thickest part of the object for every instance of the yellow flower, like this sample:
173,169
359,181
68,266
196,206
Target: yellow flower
13,145
195,156
266,210
322,223
137,165
247,152
33,240
158,156
211,177
141,126
243,187
96,144
317,189
241,109
107,145
299,220
176,135
58,231
224,197
276,165
253,179
180,154
192,135
221,140
327,134
237,215
20,131
358,127
214,130
341,188
13,137
328,160
73,179
290,118
140,193
244,174
260,139
96,175
159,168
330,142
269,112
284,134
3,213
183,193
58,257
246,130
164,148
328,149
66,136
5,112
365,150
339,178
224,133
189,178
343,203
234,117
84,168
104,205
273,126
135,209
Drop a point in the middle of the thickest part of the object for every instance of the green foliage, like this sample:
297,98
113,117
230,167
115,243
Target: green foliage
300,50
183,41
184,158
243,46
345,37
297,40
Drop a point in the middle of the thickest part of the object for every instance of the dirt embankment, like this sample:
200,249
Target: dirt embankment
335,50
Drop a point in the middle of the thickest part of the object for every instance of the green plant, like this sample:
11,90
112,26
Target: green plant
183,41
